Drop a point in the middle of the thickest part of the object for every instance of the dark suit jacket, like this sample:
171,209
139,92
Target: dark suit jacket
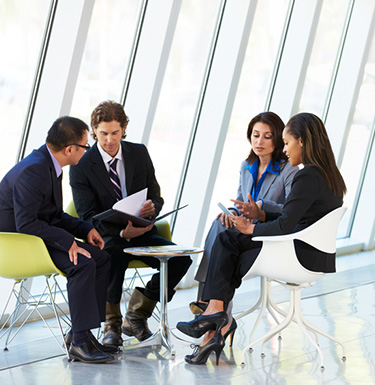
31,203
309,200
93,191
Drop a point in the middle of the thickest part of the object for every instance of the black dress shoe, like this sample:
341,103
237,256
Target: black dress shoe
103,348
203,323
88,354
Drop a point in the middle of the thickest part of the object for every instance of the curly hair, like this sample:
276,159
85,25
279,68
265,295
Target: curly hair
107,112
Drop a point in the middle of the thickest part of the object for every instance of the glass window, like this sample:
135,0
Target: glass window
22,24
107,52
251,97
323,56
104,63
180,92
358,141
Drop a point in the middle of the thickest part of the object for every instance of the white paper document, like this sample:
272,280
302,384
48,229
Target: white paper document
132,204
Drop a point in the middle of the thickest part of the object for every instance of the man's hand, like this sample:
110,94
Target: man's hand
75,250
225,221
250,210
148,210
242,224
132,232
94,238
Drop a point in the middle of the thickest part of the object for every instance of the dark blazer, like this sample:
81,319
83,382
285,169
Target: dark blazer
31,202
93,191
309,200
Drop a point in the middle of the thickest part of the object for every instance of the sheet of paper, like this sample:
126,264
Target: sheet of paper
132,204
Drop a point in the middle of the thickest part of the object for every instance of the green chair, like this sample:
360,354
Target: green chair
164,231
24,256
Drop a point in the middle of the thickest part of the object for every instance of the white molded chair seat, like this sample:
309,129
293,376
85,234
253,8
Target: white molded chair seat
278,261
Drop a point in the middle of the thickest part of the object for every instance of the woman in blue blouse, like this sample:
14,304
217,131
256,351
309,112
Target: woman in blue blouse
317,189
265,174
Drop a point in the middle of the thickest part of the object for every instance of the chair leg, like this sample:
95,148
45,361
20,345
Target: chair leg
263,298
63,315
16,315
300,321
245,313
295,314
307,326
3,333
264,303
24,297
272,304
57,318
282,325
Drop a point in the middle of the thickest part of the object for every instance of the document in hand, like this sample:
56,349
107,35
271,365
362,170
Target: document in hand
129,209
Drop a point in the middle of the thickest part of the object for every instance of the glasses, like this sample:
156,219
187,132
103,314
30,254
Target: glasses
86,147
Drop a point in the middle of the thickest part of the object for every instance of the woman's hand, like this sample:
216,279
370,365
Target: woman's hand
250,210
242,224
225,221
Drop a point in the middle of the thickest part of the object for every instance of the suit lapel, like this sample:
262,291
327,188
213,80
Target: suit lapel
268,180
129,164
56,183
98,168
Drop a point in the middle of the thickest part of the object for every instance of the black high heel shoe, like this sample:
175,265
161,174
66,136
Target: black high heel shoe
231,331
201,353
198,307
197,327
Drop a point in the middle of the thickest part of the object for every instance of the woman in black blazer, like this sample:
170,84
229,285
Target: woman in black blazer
317,189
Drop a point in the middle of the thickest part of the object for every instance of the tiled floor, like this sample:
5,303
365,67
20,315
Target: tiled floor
343,304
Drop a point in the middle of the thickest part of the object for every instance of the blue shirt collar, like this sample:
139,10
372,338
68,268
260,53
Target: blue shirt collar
273,170
56,164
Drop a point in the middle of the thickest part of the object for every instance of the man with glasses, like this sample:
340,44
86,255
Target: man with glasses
111,170
31,203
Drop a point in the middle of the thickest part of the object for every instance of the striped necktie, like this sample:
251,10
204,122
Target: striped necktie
113,176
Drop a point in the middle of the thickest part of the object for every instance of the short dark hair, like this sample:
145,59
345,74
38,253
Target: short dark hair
64,131
276,125
107,112
316,148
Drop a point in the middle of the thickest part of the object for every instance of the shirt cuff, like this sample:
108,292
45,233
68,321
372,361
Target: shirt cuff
121,232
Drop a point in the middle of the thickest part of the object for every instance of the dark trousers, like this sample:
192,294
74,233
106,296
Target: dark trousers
86,286
233,254
177,267
215,229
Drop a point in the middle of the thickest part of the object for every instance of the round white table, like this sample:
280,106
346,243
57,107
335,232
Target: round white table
163,335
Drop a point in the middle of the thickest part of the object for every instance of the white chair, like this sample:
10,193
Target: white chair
277,261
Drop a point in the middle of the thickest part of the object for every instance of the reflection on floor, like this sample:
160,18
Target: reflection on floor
341,304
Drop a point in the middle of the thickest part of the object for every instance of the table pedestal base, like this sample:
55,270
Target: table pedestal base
163,336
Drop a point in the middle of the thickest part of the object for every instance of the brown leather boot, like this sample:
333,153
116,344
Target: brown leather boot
112,326
139,309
